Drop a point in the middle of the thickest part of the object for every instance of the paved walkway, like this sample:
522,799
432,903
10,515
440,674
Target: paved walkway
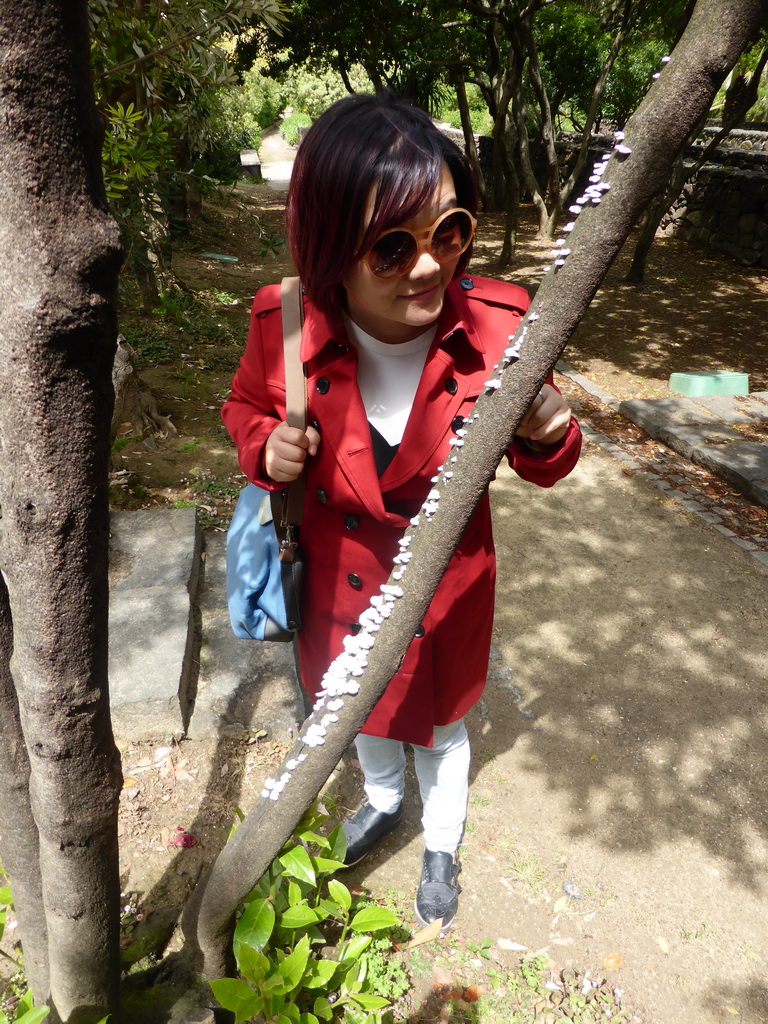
276,158
702,430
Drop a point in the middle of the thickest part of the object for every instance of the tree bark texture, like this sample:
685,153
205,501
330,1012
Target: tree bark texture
717,34
59,259
19,848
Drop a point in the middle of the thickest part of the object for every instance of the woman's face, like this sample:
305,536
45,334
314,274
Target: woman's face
397,309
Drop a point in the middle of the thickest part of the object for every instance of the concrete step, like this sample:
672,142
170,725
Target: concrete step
242,684
154,575
175,667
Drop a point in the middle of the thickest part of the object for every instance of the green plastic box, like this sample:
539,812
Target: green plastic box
702,382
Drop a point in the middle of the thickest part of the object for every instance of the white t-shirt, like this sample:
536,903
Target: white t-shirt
388,376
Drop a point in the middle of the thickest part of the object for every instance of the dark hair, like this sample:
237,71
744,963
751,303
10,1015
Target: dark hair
364,143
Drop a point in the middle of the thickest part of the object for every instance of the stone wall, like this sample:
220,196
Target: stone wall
746,138
724,208
725,205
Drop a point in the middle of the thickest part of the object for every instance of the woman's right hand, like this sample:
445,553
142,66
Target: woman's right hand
286,450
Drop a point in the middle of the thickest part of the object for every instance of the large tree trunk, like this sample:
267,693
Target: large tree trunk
718,32
59,258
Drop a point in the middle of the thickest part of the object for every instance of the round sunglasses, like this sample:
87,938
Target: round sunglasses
395,252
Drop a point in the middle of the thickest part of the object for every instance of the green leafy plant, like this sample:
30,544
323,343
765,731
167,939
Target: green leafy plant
120,442
482,949
297,906
290,125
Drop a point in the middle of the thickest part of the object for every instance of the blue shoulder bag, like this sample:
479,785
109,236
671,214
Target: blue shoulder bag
264,565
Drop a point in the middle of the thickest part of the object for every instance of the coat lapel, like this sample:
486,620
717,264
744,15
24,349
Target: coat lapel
456,353
334,400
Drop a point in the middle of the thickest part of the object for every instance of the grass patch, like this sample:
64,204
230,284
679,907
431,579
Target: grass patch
479,800
529,872
188,327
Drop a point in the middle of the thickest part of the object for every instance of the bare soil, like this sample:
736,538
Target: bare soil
586,733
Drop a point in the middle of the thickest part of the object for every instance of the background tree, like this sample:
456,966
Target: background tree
162,70
540,65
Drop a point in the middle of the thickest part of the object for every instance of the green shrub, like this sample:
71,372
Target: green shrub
480,120
289,128
264,98
296,912
311,90
482,123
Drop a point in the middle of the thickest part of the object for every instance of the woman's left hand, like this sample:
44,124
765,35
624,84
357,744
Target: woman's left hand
547,419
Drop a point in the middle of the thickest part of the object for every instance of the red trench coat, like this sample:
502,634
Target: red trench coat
353,520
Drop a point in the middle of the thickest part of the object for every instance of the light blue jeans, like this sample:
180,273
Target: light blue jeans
443,774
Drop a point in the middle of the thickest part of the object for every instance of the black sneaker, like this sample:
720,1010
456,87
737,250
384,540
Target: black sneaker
438,895
365,828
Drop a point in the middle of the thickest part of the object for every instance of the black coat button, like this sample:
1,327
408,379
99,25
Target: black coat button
451,385
354,628
316,425
321,496
419,632
467,283
323,386
354,581
457,423
351,522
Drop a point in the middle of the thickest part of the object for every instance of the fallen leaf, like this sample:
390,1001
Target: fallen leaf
613,962
515,947
472,993
663,944
426,934
730,1009
127,783
561,904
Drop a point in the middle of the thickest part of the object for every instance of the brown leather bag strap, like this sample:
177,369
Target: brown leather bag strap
293,320
295,389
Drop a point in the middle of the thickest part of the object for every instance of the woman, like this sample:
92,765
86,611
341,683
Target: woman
398,343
